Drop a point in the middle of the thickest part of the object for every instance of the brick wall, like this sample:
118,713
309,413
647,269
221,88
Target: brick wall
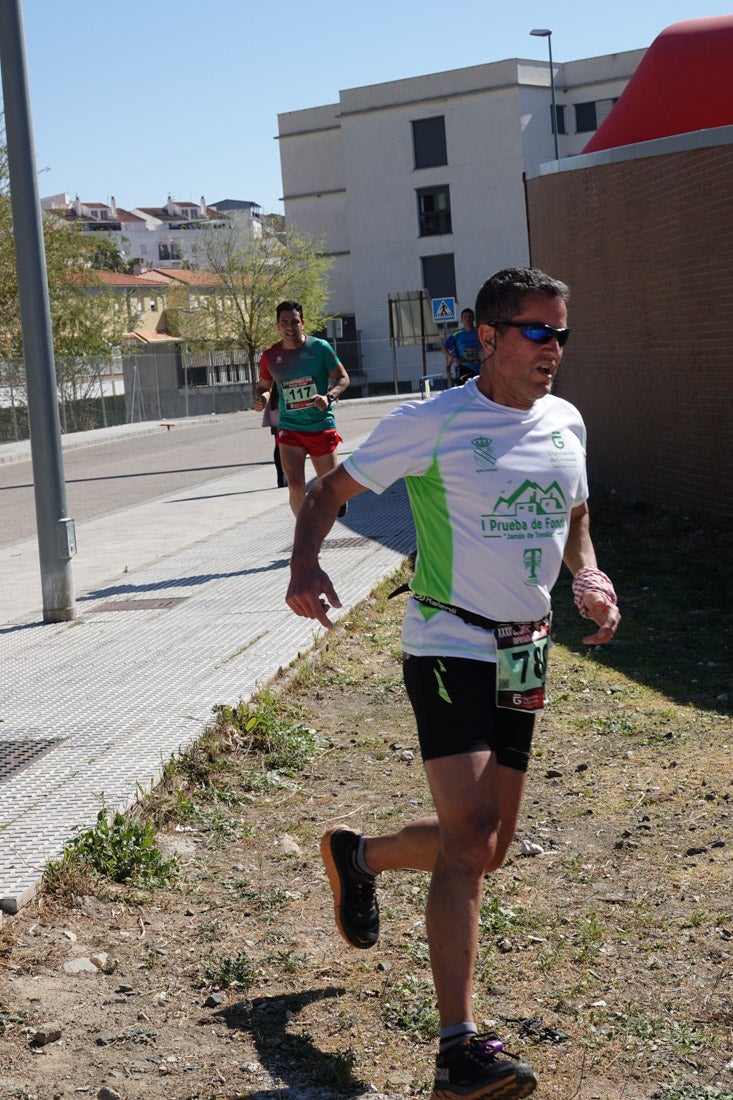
647,248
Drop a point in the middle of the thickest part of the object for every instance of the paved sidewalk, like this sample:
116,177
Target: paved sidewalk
90,711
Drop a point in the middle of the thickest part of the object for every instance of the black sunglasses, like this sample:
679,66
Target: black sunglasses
537,332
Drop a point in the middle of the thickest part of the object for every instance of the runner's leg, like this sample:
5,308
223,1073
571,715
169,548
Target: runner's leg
293,464
415,847
478,804
323,464
469,837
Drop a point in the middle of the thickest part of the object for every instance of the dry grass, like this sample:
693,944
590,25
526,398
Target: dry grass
617,940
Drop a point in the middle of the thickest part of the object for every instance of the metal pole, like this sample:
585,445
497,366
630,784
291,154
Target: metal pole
552,94
545,32
12,402
101,391
157,386
56,534
134,389
391,308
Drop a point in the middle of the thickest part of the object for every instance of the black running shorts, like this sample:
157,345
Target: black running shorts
454,700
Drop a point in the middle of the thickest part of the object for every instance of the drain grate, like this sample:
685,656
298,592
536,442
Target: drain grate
339,544
352,540
140,605
16,755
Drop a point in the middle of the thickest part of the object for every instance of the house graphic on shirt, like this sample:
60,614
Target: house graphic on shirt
532,499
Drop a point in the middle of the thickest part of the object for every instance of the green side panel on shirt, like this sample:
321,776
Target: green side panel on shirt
442,689
434,572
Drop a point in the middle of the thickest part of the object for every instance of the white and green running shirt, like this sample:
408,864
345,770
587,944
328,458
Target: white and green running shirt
491,490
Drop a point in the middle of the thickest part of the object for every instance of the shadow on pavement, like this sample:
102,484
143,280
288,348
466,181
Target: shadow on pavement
179,582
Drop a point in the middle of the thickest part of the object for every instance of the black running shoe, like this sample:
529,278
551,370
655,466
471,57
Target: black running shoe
354,893
476,1070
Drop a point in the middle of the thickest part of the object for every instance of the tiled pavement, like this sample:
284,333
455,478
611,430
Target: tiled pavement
91,710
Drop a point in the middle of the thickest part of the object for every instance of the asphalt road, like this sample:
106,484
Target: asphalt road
125,472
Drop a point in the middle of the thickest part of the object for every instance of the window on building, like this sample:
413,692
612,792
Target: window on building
433,210
559,118
603,109
439,275
428,142
585,117
170,250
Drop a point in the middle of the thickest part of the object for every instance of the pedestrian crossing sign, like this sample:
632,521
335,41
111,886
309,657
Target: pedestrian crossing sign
444,309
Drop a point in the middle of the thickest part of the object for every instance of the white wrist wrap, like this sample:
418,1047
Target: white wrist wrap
589,579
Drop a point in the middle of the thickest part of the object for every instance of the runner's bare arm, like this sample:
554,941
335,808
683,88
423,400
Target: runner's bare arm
311,593
262,393
597,603
338,384
339,381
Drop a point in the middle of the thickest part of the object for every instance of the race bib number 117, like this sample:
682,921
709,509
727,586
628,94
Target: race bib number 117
299,392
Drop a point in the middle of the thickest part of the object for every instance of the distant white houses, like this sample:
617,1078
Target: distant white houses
419,183
156,236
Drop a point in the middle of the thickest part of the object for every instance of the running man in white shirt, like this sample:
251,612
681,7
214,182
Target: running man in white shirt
495,473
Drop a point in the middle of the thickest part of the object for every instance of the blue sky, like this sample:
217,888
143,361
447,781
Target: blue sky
143,100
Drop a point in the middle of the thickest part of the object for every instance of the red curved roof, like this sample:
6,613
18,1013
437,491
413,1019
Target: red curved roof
683,83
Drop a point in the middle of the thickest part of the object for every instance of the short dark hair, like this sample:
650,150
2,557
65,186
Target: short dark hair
468,310
288,307
501,296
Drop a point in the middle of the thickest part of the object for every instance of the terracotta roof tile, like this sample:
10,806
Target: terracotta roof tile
191,278
152,337
128,216
116,278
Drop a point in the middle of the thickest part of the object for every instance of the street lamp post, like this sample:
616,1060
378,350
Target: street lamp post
544,32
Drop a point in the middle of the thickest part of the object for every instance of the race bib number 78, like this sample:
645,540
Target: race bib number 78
521,665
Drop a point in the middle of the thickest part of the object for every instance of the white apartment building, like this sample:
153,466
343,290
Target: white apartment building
419,183
156,236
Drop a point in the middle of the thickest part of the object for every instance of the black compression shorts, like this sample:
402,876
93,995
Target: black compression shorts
454,701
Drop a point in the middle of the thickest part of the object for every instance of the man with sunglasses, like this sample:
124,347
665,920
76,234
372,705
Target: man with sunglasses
495,473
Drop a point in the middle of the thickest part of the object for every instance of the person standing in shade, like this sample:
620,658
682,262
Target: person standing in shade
462,351
496,477
309,378
270,418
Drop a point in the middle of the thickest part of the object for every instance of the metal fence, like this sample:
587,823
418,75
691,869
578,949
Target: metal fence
147,384
166,383
90,394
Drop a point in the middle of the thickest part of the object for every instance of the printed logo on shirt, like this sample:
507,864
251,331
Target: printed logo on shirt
531,511
483,453
560,455
532,559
